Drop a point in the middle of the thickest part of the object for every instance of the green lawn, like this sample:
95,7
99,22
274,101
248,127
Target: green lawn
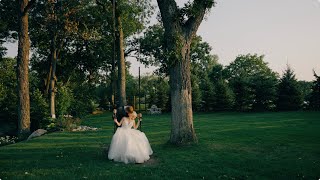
231,146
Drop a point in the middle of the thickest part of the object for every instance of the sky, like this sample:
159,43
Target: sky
285,31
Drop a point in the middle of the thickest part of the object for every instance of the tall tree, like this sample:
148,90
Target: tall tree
125,21
23,67
289,94
208,94
306,90
118,53
120,57
253,82
314,99
51,83
224,98
53,22
180,27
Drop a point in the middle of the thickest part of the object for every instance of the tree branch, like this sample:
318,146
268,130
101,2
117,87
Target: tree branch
169,11
27,8
198,8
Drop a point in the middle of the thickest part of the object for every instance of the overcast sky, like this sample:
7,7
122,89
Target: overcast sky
285,31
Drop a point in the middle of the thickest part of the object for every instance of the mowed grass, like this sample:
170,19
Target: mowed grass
231,146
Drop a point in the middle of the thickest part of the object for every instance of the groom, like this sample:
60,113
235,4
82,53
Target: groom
119,113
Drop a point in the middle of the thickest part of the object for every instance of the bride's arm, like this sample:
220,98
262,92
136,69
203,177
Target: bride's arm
136,125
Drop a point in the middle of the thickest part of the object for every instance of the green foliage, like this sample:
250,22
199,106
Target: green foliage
265,91
153,49
196,93
39,110
8,23
289,94
8,97
63,124
103,93
314,99
208,94
305,87
158,92
244,95
154,88
253,82
132,86
202,61
163,94
8,91
83,101
64,99
224,99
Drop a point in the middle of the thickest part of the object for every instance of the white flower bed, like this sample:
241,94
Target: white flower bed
85,128
8,140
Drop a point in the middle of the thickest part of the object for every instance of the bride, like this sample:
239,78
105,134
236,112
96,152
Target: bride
129,145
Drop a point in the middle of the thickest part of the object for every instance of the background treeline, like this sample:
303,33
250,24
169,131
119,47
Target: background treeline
246,84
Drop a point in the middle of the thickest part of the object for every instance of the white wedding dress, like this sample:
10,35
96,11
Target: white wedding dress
129,145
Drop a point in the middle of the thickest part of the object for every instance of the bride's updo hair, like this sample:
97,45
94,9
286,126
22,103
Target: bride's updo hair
129,109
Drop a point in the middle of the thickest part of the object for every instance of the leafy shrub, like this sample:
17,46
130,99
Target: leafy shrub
39,110
83,102
64,99
79,108
8,92
63,123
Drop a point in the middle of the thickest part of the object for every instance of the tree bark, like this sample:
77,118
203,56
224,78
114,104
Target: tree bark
48,80
121,62
54,55
178,37
52,82
23,70
182,131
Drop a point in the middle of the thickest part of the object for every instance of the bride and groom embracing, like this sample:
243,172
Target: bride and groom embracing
128,144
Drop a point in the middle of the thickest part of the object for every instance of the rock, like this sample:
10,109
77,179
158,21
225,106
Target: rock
37,133
84,128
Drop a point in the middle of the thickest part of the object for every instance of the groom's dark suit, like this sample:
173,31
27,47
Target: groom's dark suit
120,114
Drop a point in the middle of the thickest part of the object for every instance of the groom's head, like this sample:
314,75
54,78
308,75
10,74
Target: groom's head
129,109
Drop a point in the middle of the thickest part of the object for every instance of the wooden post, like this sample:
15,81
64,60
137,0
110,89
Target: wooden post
134,101
139,91
145,102
114,116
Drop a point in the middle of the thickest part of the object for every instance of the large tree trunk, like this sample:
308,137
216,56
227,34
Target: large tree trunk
22,70
121,63
182,131
178,37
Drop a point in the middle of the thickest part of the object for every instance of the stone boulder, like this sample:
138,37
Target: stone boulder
37,133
